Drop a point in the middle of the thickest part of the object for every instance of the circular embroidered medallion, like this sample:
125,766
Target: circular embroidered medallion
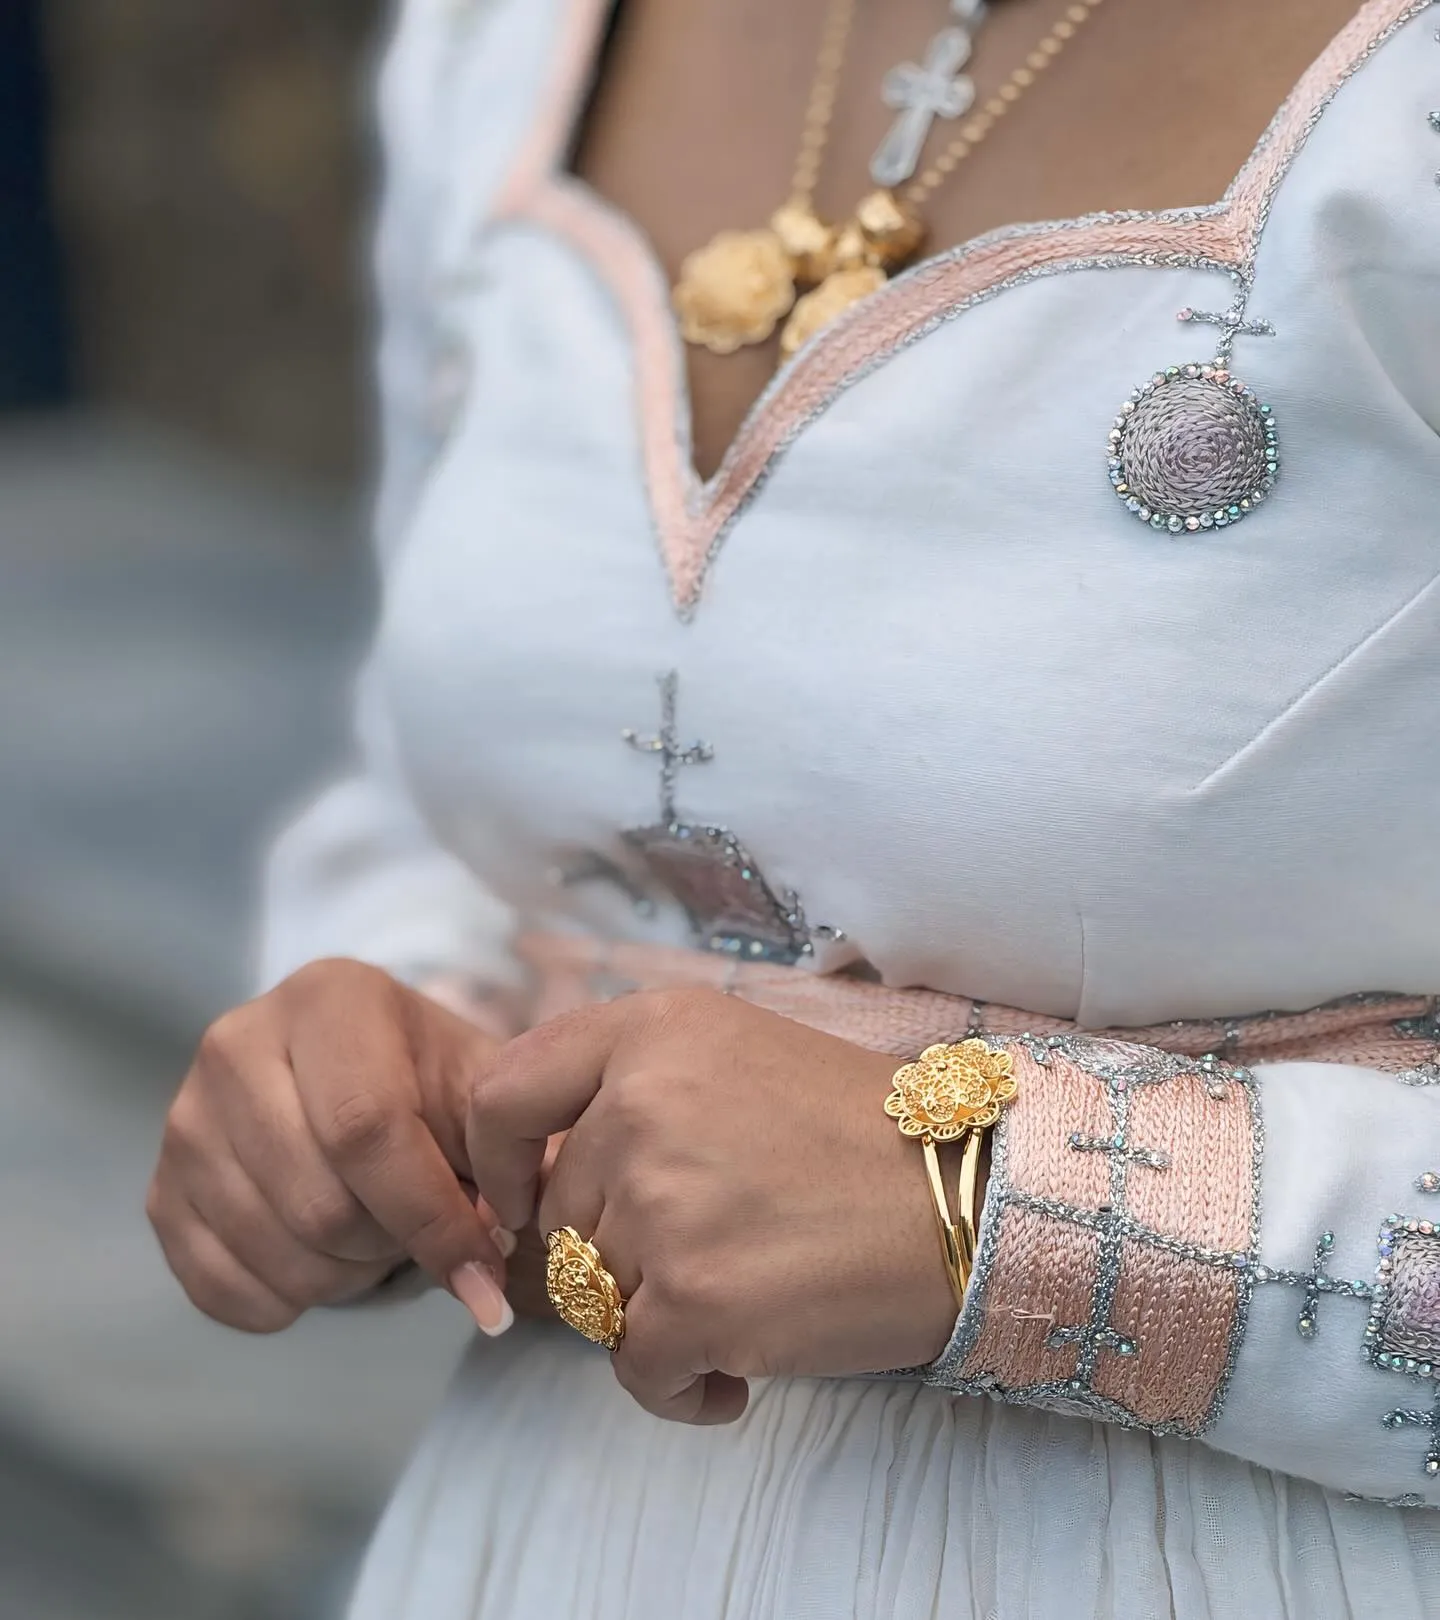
1193,449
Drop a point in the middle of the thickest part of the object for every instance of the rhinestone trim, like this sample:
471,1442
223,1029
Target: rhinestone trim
1193,449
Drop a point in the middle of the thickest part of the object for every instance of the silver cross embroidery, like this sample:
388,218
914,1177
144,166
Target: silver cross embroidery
666,743
1232,324
935,89
731,907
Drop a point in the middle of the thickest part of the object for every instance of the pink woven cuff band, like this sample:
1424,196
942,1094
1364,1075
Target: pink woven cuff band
1120,1220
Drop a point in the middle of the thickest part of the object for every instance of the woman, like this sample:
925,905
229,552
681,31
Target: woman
1057,633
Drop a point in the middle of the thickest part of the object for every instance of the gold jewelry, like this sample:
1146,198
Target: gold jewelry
736,289
585,1296
948,1093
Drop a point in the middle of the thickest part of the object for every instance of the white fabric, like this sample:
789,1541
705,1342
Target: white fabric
1343,1150
542,1491
1014,744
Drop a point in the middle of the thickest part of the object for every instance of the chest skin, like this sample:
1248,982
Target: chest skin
1153,104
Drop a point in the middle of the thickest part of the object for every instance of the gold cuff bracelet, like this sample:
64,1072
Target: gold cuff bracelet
950,1093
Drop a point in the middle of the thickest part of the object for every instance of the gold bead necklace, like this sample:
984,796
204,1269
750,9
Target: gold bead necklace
737,289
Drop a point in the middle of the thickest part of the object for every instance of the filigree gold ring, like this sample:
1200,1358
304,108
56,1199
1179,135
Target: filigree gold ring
585,1296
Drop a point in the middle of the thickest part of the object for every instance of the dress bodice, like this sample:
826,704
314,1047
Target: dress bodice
1001,737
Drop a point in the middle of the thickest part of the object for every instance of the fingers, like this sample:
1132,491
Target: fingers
573,1197
538,1085
362,1102
236,1211
669,1383
394,1167
272,1140
215,1281
318,1138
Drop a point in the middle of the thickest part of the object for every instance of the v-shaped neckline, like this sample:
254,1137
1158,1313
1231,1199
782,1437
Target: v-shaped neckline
692,515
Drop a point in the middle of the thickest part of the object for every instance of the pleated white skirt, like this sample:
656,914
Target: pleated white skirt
542,1492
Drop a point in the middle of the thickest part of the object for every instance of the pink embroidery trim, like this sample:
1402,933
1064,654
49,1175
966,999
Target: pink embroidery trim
1177,1312
692,517
1391,1033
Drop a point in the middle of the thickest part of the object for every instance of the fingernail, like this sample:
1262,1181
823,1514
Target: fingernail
505,1240
479,1293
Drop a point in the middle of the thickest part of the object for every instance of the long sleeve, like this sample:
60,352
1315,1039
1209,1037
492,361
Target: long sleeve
1249,1255
358,872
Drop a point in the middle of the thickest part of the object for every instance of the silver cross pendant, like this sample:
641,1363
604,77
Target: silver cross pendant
934,89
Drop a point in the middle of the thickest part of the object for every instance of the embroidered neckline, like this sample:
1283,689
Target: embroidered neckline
692,517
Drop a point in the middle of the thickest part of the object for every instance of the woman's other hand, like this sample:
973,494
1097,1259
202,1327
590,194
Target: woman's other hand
317,1143
740,1179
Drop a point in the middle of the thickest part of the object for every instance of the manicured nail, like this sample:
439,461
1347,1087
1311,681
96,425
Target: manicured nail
479,1293
505,1240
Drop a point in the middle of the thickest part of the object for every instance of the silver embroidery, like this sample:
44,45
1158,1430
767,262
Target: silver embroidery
1410,1499
1428,1181
1152,1158
1423,1074
1232,324
1315,1282
731,907
1194,448
1122,1068
1430,1420
1402,1331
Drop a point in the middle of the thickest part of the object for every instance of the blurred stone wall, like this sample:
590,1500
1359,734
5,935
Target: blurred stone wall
212,167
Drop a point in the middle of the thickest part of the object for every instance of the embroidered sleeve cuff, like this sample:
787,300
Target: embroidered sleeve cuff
1125,1274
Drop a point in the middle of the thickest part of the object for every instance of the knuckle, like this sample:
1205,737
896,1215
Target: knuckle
323,1220
685,1008
157,1207
184,1134
670,1285
493,1082
629,1100
223,1045
298,1285
533,1051
434,1239
180,1137
687,1292
357,1127
336,978
641,1365
656,1197
213,1296
267,1315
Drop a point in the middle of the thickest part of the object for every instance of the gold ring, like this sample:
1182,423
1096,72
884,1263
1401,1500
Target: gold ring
585,1296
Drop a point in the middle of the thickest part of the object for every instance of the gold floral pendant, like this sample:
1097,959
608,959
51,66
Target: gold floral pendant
815,311
735,290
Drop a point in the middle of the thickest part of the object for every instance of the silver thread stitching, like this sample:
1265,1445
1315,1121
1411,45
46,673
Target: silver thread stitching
1121,1067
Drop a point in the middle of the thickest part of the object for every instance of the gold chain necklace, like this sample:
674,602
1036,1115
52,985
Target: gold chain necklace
737,289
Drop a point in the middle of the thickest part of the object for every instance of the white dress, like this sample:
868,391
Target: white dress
1008,737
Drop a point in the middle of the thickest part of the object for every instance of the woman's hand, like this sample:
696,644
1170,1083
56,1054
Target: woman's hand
741,1180
318,1142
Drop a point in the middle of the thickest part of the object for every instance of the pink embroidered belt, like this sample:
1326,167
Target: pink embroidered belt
1377,1031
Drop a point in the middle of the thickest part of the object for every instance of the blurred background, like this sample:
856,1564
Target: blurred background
184,590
